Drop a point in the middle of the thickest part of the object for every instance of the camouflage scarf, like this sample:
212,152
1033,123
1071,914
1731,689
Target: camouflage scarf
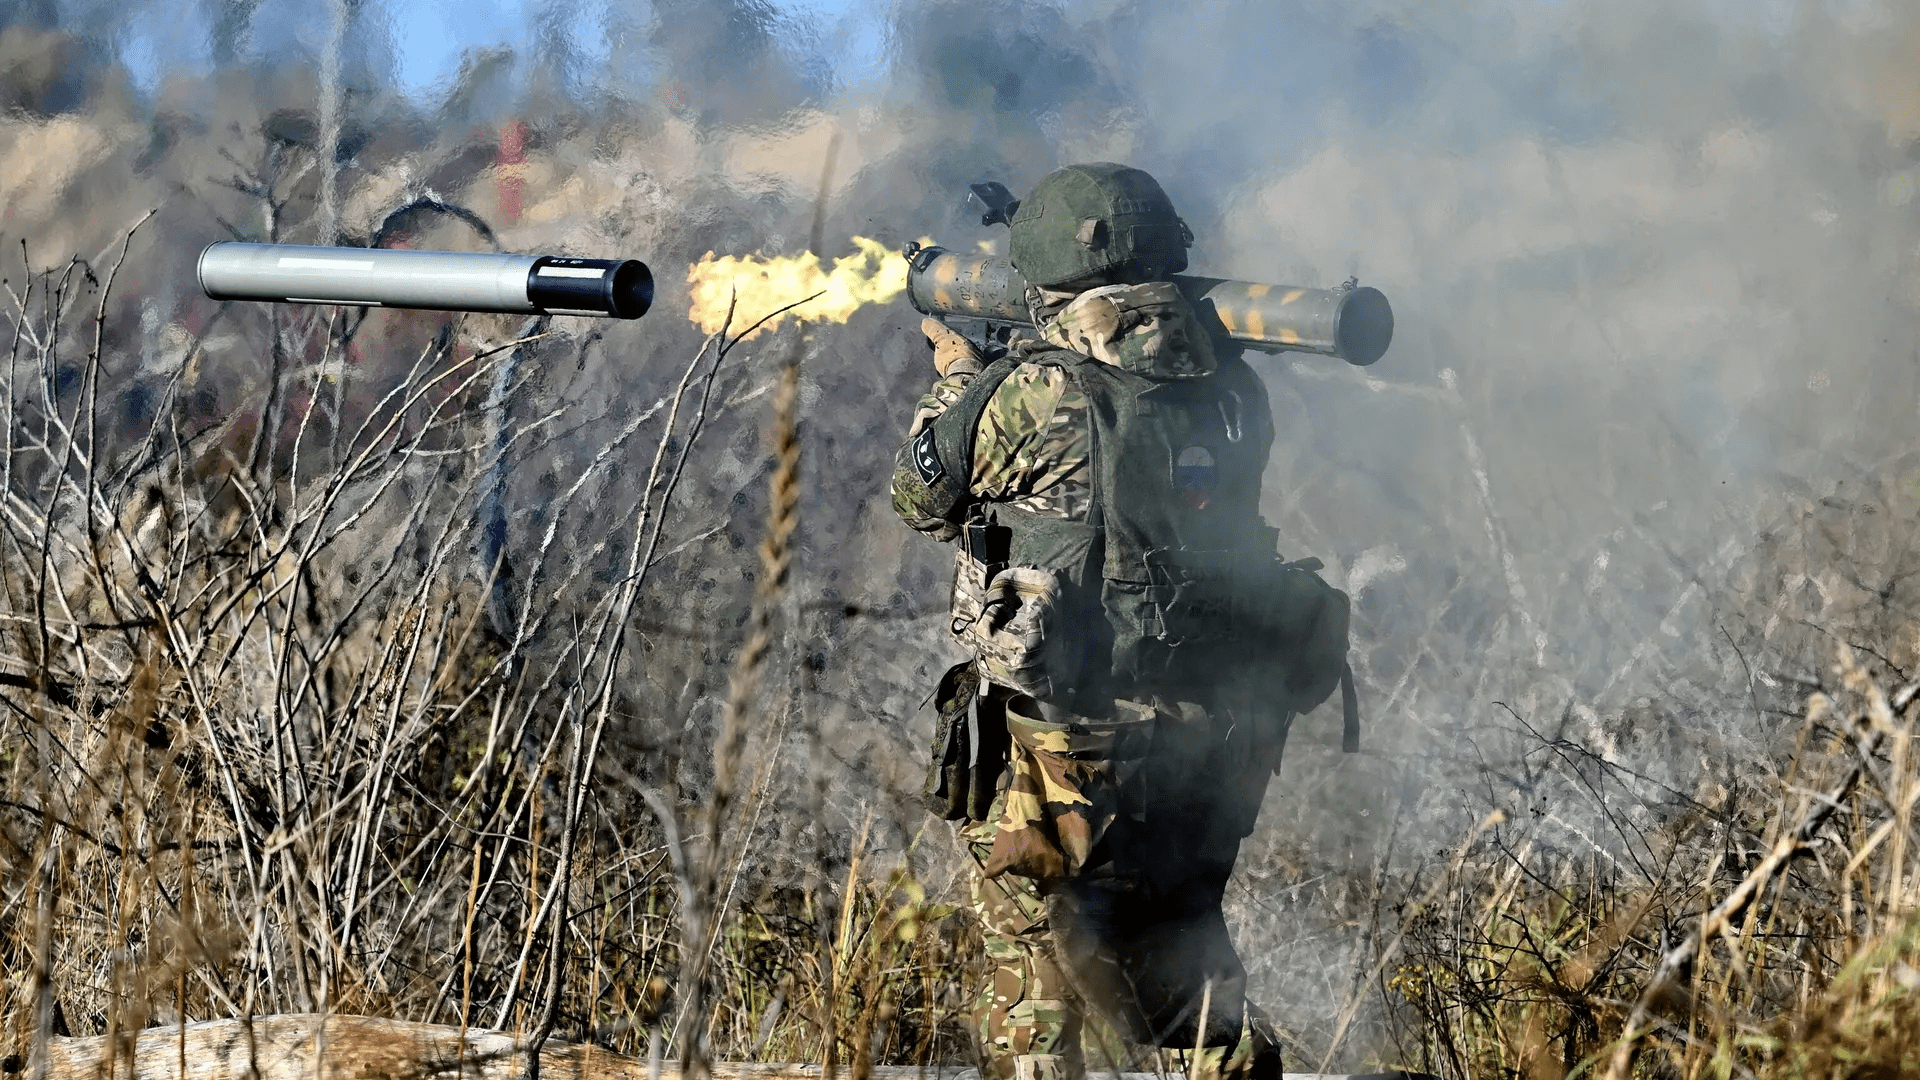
1146,329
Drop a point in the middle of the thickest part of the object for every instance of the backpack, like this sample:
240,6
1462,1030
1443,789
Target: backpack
1171,583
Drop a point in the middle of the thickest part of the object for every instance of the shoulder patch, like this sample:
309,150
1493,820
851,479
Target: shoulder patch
926,459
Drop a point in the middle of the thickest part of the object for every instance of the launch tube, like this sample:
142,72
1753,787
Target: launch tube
440,280
1354,324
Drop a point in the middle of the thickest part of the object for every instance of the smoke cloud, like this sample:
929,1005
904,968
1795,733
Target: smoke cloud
1654,265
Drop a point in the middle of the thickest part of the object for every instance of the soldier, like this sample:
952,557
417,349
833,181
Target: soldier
1139,649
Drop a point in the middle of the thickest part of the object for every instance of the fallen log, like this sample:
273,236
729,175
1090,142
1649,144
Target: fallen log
309,1046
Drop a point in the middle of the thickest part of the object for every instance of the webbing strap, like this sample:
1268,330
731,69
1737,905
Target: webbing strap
1350,710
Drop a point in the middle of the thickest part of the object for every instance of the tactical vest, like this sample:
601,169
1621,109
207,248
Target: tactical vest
1158,580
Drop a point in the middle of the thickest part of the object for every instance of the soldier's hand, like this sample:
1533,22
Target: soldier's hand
952,353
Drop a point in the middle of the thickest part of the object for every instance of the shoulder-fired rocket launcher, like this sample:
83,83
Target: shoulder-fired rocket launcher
1354,323
438,280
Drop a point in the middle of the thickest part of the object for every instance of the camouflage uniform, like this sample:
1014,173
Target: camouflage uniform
1069,797
1033,1006
1031,451
1027,1007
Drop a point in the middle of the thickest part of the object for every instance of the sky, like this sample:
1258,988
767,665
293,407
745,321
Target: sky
430,36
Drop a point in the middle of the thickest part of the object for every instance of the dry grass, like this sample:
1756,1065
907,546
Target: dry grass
1771,933
282,738
266,750
285,732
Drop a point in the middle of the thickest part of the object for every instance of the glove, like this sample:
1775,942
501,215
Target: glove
953,354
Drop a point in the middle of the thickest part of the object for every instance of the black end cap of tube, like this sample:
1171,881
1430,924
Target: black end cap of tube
623,288
919,260
1363,327
630,290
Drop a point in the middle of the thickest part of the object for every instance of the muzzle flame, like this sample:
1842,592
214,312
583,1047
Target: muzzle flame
756,287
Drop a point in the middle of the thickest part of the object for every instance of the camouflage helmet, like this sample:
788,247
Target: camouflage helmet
1097,222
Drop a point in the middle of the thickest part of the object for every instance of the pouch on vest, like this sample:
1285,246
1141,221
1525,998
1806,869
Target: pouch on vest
1194,594
1190,619
1298,628
1236,610
969,747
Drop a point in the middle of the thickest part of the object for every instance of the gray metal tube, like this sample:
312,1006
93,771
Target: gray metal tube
440,280
942,282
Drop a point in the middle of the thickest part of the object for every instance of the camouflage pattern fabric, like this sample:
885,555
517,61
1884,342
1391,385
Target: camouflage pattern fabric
1034,441
1146,329
939,399
909,497
1026,1006
1255,1057
1061,792
1176,763
1030,450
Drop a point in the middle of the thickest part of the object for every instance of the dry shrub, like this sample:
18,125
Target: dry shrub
279,740
1762,924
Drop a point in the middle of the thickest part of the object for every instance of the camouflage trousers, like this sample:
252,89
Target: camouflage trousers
1026,1006
1028,1020
1131,947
